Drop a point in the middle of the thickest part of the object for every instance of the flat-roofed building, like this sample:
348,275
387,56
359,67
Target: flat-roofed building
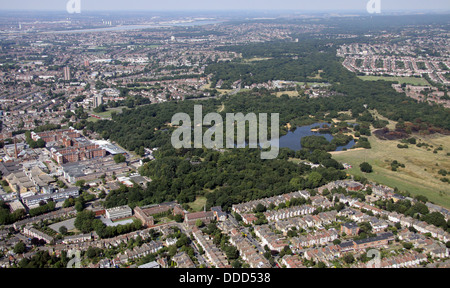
9,167
350,228
57,197
119,212
92,169
16,205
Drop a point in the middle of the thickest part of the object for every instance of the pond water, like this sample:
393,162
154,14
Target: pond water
292,139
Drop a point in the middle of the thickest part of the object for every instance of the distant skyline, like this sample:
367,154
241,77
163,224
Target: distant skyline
215,5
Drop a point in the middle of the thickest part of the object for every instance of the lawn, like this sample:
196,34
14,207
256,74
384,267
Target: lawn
206,86
419,177
255,59
408,80
289,93
311,84
163,220
317,76
107,114
198,204
225,91
6,188
92,119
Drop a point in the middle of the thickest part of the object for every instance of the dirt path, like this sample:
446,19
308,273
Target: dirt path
349,150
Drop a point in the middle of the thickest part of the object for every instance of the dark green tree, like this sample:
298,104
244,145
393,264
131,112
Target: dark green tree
365,167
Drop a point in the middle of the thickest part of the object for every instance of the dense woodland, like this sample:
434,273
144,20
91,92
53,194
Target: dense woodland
356,93
224,178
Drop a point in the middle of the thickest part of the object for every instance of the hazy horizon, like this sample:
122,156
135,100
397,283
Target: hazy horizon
230,5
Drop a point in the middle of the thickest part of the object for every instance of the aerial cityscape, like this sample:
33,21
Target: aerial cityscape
97,170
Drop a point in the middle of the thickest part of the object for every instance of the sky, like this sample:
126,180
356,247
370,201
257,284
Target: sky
177,5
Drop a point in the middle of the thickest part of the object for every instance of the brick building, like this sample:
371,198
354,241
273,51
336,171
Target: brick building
350,228
204,216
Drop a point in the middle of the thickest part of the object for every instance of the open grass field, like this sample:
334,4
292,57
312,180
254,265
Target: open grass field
92,119
221,91
391,124
311,84
420,175
289,93
255,59
107,114
206,86
224,91
317,76
198,204
401,80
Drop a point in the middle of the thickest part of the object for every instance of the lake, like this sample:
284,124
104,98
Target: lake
292,139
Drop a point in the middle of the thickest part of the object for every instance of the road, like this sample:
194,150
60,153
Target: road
187,232
236,90
248,233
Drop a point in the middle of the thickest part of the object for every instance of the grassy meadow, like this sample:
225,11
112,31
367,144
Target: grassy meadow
408,80
420,175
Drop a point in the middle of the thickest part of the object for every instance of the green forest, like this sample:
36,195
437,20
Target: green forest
224,178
